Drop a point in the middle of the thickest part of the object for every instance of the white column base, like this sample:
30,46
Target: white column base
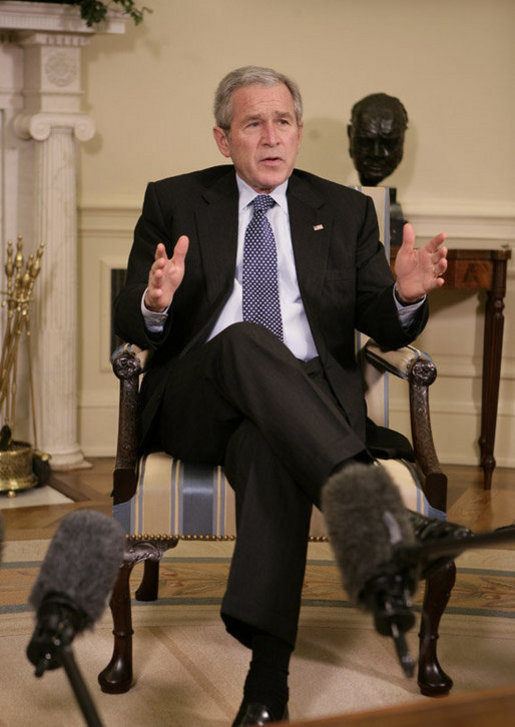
72,459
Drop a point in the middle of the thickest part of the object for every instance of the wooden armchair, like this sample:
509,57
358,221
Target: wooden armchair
160,501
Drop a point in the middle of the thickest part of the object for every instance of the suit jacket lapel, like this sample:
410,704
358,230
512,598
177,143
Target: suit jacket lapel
217,226
310,223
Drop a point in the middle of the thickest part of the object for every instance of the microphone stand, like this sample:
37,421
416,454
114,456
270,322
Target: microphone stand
449,547
78,685
388,596
50,648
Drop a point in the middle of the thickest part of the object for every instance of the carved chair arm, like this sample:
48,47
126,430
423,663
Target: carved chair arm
418,369
128,362
398,361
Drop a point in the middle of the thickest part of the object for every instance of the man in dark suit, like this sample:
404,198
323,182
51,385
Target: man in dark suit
275,397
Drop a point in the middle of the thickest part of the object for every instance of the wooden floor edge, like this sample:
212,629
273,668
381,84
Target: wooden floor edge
488,708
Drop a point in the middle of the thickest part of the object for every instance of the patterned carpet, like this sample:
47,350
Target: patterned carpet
189,673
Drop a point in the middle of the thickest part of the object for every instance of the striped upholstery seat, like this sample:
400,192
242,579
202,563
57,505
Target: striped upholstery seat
189,500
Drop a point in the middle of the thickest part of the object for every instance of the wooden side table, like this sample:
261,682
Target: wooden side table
483,270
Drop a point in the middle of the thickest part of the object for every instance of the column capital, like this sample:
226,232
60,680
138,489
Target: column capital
49,38
39,125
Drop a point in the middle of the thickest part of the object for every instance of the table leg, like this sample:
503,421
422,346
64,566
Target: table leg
492,354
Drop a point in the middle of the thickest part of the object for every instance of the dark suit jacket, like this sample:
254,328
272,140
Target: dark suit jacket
344,278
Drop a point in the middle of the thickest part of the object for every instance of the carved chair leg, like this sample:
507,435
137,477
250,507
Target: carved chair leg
116,678
148,587
432,680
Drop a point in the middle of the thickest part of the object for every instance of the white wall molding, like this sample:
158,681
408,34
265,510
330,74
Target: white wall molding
108,219
459,207
458,367
445,407
467,225
475,225
99,398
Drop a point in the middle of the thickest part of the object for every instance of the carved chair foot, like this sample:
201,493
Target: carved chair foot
117,675
116,678
432,679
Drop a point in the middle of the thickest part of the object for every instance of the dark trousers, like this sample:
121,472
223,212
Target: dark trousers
244,401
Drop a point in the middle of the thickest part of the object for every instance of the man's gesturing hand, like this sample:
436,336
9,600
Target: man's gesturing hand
165,275
419,271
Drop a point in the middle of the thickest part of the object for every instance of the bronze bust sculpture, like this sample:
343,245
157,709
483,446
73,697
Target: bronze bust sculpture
376,136
376,145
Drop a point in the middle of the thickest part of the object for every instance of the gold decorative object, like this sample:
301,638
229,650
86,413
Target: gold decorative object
17,459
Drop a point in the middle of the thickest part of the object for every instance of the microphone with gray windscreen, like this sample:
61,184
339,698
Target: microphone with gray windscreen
367,524
71,593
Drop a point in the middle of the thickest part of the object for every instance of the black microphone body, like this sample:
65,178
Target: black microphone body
381,561
367,523
58,622
71,593
431,553
74,582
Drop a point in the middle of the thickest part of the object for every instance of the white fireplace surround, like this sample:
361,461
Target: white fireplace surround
41,122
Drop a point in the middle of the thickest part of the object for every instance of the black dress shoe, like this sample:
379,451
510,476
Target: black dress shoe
429,529
257,714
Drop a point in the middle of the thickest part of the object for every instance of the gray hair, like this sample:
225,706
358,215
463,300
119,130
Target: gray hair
248,76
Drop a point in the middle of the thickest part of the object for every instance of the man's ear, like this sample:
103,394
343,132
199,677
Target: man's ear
221,140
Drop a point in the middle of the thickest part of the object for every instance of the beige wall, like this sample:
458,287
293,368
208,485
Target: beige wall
451,62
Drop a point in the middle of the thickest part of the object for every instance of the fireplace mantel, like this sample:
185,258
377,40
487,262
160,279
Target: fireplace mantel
55,17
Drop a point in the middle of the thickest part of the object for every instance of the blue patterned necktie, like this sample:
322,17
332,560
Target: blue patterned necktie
260,300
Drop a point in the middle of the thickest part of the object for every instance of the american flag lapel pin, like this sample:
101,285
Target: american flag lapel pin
318,227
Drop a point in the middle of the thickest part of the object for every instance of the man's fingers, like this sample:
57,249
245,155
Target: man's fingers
435,243
160,252
442,254
165,274
181,248
440,267
408,236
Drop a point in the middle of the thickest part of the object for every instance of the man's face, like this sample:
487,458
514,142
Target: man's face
376,144
264,138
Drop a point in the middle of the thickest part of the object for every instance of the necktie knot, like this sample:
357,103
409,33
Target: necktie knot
262,203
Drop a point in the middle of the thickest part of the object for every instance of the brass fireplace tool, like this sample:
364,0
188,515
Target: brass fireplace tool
21,465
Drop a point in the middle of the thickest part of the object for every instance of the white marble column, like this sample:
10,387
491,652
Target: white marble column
52,118
55,312
52,37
